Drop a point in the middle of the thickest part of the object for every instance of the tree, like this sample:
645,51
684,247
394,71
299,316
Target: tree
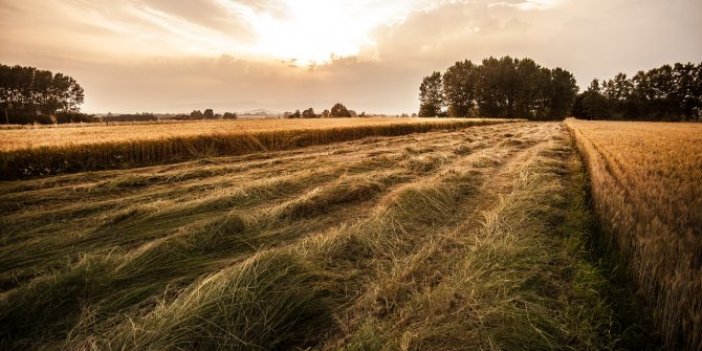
431,95
504,87
339,110
76,96
497,87
531,95
325,114
209,114
669,92
592,104
688,101
563,90
196,114
665,105
308,113
6,85
460,84
28,95
229,115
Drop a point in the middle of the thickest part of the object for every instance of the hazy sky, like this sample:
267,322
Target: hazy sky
178,55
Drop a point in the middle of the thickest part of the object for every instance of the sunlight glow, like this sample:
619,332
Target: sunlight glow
527,5
312,32
300,33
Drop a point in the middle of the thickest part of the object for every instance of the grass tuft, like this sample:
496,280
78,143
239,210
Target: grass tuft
267,302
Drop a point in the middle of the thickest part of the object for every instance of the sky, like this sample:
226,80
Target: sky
177,55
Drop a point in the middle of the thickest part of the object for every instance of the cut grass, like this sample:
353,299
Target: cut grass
269,301
358,246
516,281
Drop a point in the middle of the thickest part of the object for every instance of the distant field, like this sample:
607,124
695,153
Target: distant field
41,151
472,238
647,190
78,134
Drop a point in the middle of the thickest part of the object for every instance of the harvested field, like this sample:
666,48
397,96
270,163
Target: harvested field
647,190
466,239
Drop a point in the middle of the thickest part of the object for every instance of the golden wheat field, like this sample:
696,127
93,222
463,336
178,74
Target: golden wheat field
45,151
647,189
473,238
22,137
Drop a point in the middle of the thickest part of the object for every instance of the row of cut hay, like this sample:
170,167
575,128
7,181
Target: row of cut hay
269,301
664,261
50,160
294,295
275,299
493,285
126,281
282,296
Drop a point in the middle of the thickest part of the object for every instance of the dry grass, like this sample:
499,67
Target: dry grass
433,241
42,151
647,189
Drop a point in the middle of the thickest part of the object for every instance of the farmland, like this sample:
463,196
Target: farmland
22,137
470,238
38,151
647,190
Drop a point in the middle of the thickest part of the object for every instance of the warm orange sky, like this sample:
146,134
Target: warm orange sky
177,55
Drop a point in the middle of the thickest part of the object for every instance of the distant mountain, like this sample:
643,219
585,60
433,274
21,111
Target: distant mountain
261,112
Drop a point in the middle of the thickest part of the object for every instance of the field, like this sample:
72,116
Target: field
474,238
647,189
21,137
40,151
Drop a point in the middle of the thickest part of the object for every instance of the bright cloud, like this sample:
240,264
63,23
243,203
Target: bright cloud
302,32
315,31
177,55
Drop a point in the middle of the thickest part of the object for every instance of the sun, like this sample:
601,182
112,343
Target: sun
312,32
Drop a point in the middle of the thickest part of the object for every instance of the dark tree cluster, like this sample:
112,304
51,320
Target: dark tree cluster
338,110
135,117
670,93
30,95
505,87
208,114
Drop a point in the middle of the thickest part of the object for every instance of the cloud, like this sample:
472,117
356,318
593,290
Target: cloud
593,38
162,55
527,5
310,31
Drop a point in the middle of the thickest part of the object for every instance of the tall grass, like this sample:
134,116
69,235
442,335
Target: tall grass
270,301
66,157
436,241
510,274
646,181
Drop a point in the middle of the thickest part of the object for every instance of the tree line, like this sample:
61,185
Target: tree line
149,117
338,110
672,93
504,88
31,95
208,114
